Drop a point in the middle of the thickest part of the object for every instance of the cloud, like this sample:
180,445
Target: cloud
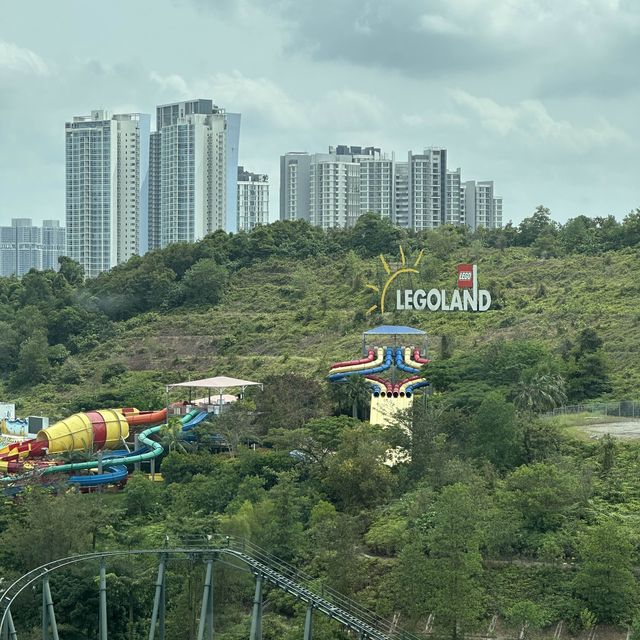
15,59
263,102
531,120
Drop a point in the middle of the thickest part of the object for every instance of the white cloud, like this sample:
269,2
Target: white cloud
19,60
439,24
531,120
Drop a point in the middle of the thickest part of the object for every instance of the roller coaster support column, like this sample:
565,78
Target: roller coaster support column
48,615
159,603
308,624
256,617
9,630
206,611
103,601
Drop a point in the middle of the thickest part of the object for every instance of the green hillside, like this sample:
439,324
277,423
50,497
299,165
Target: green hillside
300,315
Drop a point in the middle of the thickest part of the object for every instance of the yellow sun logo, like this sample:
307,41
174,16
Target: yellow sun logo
392,275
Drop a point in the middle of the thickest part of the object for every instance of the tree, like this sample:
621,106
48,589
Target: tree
236,425
33,363
526,614
454,563
356,475
497,435
205,282
72,271
356,392
288,401
539,391
587,370
534,226
605,579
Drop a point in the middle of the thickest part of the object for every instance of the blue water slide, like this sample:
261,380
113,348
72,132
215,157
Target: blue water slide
194,421
388,359
400,363
110,476
417,385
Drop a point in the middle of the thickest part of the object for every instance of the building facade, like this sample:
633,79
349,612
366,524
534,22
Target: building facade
418,194
482,208
193,172
24,247
107,165
253,199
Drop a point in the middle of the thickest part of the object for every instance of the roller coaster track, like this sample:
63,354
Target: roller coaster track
266,567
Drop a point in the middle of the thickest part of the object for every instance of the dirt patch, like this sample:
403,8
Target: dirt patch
629,429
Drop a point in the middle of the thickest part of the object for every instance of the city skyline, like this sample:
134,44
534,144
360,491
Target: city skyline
543,102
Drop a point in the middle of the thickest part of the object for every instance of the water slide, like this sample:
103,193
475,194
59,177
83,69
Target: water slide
93,431
383,361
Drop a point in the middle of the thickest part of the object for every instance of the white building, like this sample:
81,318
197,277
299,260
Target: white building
24,247
427,188
253,199
481,207
453,195
334,191
107,165
418,194
193,173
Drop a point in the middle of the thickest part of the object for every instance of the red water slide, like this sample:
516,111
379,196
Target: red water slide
348,363
417,357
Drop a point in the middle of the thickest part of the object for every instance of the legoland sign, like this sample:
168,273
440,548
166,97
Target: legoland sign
467,297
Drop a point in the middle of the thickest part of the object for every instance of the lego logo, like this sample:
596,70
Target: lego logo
465,275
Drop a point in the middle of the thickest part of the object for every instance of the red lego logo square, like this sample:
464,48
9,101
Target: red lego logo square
465,276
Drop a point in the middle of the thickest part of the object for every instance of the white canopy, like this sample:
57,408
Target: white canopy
219,384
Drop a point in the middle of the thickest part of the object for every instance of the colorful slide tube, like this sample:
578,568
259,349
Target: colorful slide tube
90,431
349,363
382,363
401,361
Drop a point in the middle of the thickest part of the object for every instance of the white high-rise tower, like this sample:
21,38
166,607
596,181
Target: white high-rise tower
107,164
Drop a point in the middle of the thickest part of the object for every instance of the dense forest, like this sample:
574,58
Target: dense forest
498,511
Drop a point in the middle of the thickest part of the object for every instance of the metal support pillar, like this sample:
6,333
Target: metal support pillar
206,610
48,615
308,623
256,617
103,601
136,446
8,628
159,602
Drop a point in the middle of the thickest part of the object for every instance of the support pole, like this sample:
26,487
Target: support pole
308,623
206,611
159,602
136,446
103,601
8,628
48,615
256,617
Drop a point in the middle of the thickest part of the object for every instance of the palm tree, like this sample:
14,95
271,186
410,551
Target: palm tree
540,391
171,437
356,391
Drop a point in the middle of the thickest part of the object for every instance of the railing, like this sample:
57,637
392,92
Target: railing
618,408
265,566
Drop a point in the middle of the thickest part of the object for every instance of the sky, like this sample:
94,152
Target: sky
541,96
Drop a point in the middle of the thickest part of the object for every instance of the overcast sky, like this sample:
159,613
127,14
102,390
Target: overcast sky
542,96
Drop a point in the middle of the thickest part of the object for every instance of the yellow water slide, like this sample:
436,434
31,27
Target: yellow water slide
90,431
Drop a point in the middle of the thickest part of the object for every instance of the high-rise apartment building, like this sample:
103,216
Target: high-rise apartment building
334,189
418,194
107,164
53,243
193,172
253,199
427,188
453,193
401,195
482,207
24,247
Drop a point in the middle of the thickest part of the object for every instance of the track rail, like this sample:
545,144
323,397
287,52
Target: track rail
280,574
